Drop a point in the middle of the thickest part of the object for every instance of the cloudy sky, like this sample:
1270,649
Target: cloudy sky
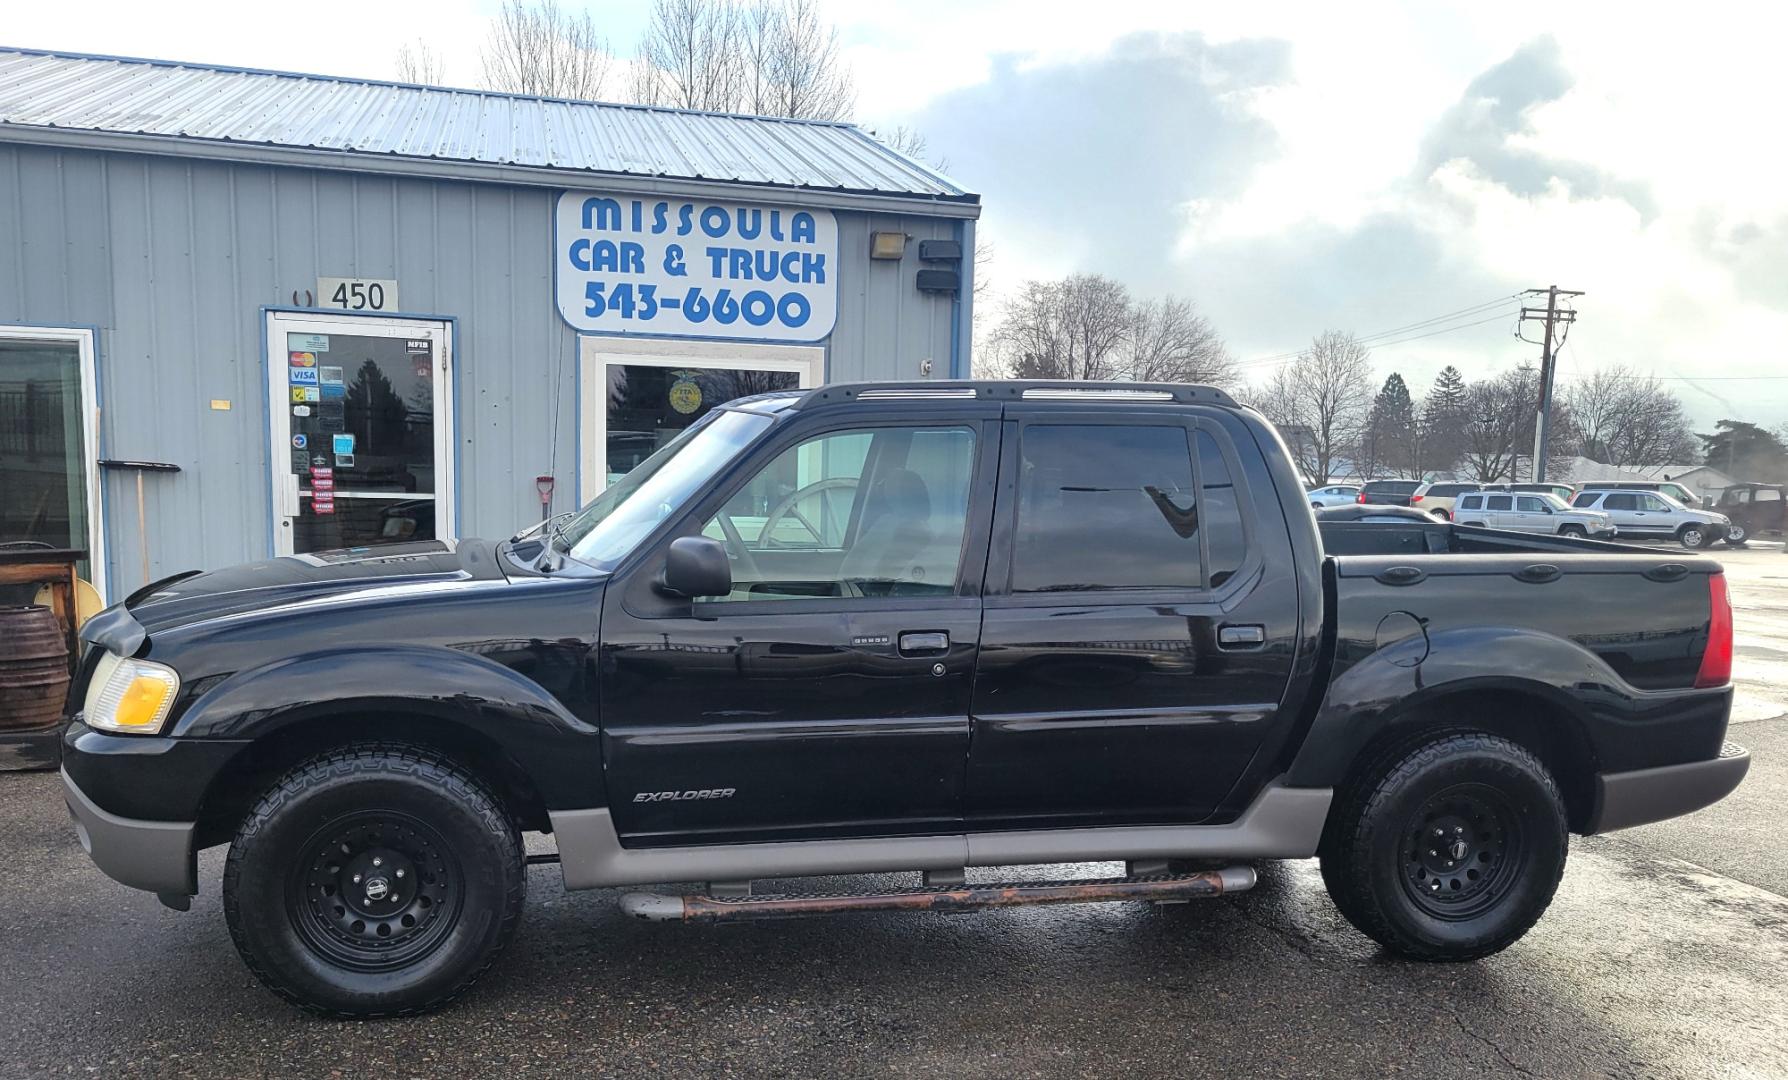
1291,167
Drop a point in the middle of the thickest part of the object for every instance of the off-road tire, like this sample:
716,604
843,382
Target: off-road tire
1368,868
269,891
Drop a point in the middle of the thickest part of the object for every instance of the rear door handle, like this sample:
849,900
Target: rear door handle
924,641
1241,637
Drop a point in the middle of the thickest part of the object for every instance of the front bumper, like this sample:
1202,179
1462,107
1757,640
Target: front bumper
153,855
1643,796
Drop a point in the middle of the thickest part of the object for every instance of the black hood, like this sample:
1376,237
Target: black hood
274,583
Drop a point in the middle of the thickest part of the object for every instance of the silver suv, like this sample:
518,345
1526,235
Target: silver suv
1640,514
1534,512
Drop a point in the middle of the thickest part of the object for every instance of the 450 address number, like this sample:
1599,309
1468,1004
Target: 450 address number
643,302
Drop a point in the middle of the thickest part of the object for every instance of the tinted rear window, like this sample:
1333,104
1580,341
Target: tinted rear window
1588,498
1106,507
1447,491
1499,502
1393,487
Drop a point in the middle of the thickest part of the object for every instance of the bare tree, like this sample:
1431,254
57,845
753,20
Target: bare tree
537,47
419,63
807,78
1320,401
691,57
1497,428
1629,419
1066,329
1169,341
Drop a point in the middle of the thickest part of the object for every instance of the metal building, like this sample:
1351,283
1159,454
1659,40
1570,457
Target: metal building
353,312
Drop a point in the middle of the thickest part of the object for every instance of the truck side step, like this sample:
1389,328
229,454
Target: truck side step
657,907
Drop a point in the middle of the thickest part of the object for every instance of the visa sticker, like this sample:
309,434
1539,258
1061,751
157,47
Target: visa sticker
303,375
342,443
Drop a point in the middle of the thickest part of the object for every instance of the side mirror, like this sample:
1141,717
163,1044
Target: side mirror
696,566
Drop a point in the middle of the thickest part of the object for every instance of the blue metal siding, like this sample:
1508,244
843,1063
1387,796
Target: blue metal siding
174,260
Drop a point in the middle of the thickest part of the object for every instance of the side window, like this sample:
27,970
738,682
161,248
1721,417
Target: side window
1498,502
877,512
1737,497
1621,502
1221,514
1105,507
1472,502
1588,498
1768,495
1530,505
1652,502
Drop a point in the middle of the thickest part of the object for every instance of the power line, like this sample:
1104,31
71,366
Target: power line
1373,339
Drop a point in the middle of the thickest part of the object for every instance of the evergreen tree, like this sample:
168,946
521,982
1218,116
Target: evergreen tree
1390,428
1746,452
1443,420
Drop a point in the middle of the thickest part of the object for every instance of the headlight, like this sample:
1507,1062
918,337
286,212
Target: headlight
130,695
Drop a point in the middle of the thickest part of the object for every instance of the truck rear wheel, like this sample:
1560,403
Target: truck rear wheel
375,880
1448,850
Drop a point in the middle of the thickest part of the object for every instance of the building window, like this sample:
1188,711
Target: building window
47,471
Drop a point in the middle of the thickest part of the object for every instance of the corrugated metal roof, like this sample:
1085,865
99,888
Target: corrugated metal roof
234,107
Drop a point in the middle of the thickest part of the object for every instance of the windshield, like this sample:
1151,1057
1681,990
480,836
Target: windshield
604,532
1554,501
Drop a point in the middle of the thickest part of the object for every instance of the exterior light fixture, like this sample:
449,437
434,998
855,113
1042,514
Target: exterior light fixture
887,245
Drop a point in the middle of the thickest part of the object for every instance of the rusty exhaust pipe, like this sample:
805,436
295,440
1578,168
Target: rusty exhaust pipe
657,907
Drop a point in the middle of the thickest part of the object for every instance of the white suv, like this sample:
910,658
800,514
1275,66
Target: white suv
1535,512
1654,514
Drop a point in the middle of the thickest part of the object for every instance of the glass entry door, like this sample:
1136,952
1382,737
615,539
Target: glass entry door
361,432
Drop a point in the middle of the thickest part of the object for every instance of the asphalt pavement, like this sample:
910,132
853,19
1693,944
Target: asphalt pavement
1664,955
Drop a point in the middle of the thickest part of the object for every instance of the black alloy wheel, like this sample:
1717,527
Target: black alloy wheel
376,891
1447,847
1462,852
374,880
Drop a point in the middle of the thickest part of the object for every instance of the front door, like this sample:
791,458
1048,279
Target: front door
1134,650
361,421
828,694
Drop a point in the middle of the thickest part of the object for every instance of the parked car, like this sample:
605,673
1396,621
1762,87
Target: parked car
1388,492
1025,567
1670,488
1437,498
1376,514
1754,510
1534,512
1335,495
1655,515
1564,492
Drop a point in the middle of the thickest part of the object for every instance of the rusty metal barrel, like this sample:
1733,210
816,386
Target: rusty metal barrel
33,668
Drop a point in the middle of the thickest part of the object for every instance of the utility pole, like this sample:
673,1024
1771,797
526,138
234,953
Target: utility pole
1553,318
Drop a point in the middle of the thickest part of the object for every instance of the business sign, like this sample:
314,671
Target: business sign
698,269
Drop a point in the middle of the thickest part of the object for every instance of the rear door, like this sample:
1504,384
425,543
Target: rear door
827,695
1629,516
1499,512
1134,648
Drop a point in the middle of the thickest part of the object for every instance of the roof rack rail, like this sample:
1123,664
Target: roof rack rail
1015,390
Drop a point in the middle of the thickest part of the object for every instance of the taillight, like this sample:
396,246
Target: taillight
1362,497
1716,659
1413,499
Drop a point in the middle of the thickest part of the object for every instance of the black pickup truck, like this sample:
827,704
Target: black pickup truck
870,629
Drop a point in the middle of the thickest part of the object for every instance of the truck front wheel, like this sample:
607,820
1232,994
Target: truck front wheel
1448,850
374,880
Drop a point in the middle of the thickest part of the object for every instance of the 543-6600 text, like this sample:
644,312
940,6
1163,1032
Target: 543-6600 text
643,302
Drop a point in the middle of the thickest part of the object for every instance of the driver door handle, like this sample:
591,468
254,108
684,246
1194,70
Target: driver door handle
924,641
